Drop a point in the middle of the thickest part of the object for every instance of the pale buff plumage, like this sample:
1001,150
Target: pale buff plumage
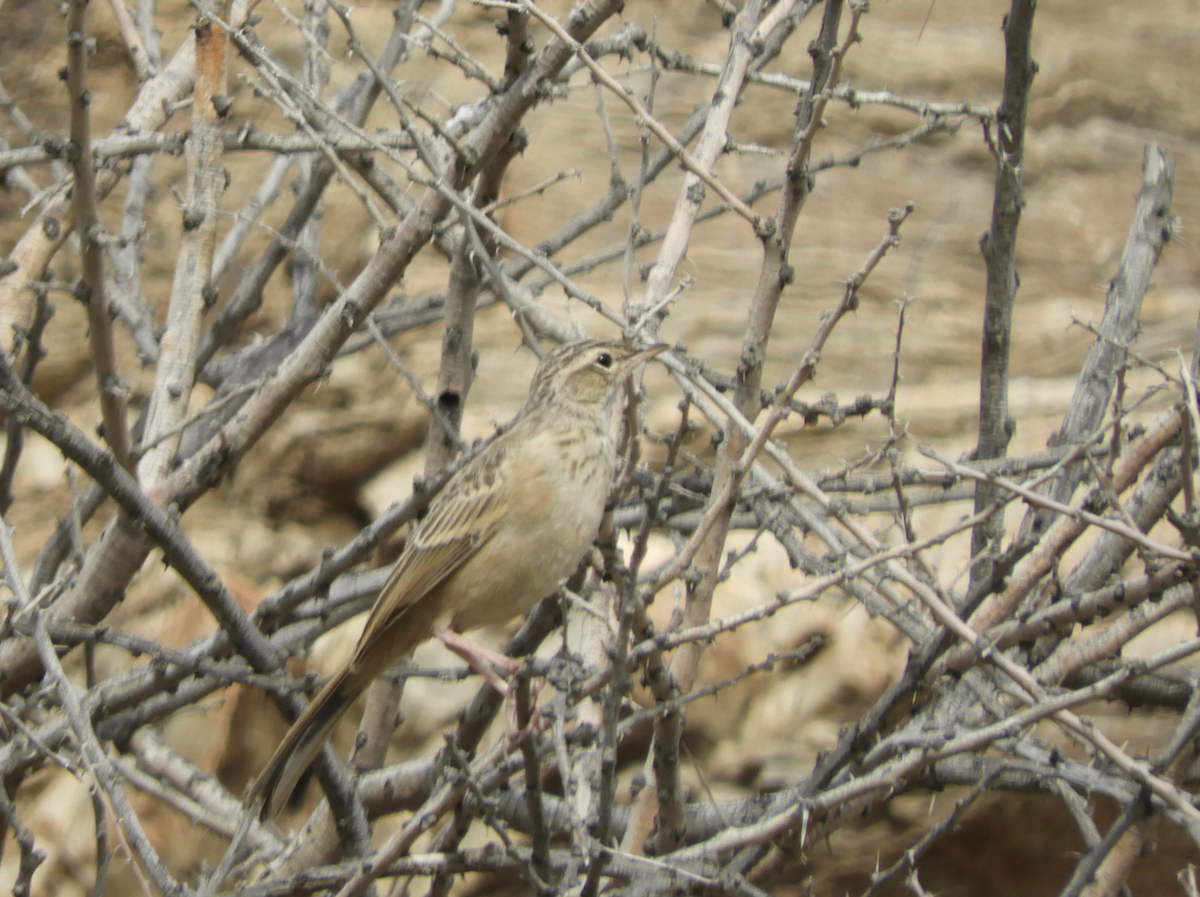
501,535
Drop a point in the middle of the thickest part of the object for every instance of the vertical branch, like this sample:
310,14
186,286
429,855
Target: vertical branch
713,140
774,275
91,286
128,29
14,431
268,189
145,24
603,803
540,866
125,254
458,361
30,855
1148,236
191,292
125,257
519,45
999,248
635,202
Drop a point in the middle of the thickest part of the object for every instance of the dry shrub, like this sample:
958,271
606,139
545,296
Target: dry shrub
788,646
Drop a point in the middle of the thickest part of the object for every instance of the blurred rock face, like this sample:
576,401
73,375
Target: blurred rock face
1112,76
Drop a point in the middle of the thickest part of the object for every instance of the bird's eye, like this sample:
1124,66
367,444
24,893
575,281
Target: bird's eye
604,359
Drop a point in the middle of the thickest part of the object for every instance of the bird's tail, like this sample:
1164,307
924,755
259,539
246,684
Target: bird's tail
302,743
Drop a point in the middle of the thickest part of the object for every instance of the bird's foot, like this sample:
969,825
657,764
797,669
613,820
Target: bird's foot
486,662
482,660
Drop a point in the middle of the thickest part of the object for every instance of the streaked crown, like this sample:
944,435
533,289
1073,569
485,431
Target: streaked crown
585,373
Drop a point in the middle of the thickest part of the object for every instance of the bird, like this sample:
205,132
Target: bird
507,527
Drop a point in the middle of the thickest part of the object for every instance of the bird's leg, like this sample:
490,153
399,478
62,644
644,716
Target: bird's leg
480,659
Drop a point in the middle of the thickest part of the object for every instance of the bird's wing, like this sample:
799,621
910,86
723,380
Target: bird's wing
461,519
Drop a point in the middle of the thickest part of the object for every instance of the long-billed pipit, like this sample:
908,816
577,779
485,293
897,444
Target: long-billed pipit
504,531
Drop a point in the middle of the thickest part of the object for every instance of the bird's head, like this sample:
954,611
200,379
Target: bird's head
587,372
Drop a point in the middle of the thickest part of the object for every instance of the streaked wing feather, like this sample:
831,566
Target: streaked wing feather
460,520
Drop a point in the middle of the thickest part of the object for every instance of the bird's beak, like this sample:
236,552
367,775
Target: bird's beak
645,355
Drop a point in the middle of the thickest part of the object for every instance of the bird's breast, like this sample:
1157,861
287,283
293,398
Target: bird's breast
559,483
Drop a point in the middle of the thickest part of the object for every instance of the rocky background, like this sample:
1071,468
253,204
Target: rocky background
1112,77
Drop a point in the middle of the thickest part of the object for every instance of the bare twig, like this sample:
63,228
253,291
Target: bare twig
999,247
91,287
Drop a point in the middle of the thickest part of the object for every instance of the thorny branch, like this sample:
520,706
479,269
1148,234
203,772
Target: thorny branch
590,789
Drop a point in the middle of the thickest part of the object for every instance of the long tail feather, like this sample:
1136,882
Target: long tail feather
301,745
383,643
